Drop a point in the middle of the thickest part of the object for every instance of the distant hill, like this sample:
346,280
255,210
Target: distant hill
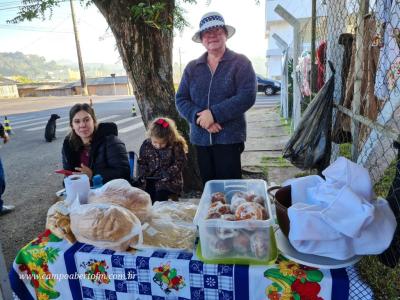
36,68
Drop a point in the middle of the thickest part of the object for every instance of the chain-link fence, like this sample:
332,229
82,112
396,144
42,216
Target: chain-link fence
362,40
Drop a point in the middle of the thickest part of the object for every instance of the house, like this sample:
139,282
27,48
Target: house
101,86
275,24
43,89
8,88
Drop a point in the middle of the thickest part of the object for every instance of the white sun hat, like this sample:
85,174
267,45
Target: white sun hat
209,21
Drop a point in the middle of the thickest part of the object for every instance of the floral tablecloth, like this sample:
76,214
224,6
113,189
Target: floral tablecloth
51,268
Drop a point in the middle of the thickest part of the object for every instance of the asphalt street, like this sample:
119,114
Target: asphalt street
29,161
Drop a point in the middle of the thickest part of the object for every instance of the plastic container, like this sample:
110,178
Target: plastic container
245,241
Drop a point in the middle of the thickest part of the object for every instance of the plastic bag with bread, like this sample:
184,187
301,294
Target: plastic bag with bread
120,192
106,226
179,211
168,234
58,221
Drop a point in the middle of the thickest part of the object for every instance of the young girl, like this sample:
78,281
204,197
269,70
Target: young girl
161,160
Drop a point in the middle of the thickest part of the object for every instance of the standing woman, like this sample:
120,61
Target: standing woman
91,148
215,92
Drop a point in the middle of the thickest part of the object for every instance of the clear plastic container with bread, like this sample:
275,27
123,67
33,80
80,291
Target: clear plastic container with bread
235,223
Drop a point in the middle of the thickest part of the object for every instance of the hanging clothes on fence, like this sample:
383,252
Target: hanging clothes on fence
303,70
369,102
339,135
391,256
321,62
388,22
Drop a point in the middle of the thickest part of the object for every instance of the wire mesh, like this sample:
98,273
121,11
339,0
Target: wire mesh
362,39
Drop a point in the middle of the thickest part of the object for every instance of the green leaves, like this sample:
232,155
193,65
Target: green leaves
151,14
33,9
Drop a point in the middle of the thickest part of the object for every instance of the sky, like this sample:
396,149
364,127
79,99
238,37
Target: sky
54,38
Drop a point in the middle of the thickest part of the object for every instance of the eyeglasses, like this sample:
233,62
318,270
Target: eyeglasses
162,122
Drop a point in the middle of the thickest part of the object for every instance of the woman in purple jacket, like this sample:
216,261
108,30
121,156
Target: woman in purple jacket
215,92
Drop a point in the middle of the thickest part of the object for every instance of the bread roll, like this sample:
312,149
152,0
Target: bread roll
120,192
106,226
58,222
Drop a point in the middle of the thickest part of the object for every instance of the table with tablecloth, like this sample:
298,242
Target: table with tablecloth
52,268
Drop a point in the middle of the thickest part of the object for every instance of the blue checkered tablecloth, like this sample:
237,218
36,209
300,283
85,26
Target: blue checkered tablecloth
161,274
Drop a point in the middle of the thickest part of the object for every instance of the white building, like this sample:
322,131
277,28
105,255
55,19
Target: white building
301,9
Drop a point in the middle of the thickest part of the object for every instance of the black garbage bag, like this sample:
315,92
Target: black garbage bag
391,256
310,145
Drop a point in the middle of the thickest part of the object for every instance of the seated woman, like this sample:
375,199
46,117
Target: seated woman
92,148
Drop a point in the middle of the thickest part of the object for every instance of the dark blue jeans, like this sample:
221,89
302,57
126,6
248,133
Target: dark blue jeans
2,184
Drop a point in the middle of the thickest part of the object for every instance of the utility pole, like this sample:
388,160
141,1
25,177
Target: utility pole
78,51
115,90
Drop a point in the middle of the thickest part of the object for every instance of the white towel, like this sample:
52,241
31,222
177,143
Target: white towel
346,172
300,186
333,218
309,233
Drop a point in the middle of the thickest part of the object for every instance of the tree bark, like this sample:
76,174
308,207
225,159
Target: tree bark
146,53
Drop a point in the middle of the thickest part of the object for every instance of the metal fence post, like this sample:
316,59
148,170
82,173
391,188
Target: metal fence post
284,86
358,73
284,14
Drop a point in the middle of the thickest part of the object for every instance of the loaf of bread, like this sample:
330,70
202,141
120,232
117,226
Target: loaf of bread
106,226
167,233
120,192
179,211
58,222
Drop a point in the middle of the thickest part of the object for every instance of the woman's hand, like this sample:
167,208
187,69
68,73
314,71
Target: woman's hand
205,118
84,170
214,128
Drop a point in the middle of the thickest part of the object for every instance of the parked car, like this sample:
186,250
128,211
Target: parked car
268,86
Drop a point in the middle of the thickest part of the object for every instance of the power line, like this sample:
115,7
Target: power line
43,36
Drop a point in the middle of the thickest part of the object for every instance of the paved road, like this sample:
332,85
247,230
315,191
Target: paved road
267,101
29,161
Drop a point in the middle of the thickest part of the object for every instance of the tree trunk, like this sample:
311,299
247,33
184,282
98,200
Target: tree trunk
146,53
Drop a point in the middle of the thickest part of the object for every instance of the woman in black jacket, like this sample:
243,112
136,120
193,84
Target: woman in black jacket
92,148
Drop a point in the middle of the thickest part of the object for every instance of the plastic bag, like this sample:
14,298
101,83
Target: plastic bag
179,211
58,221
105,226
168,234
310,145
120,192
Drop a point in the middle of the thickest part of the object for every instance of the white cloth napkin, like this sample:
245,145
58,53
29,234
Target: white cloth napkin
334,218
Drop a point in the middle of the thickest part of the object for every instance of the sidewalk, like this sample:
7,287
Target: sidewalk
266,138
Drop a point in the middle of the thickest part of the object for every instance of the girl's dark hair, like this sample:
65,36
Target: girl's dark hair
158,128
75,140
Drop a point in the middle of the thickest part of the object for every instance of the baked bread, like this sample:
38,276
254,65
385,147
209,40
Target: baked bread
58,222
259,244
120,192
241,243
218,246
251,211
217,209
106,226
167,233
218,197
178,211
